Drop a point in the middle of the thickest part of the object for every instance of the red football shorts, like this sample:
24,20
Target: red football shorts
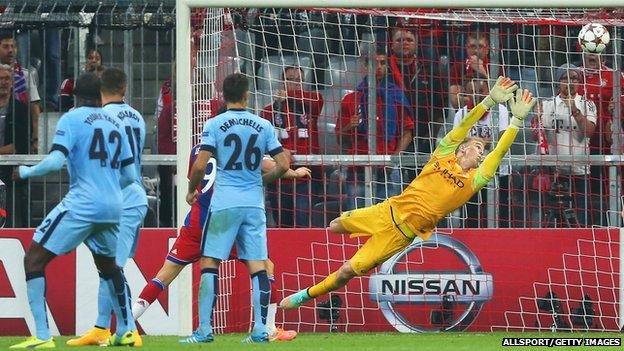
187,247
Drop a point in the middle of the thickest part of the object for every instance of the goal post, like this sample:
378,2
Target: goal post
571,272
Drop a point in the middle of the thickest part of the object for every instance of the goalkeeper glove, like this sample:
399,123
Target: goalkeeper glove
501,92
520,107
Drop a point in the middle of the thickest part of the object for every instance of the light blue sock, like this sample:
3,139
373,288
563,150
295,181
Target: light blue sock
105,306
120,300
208,290
36,288
261,296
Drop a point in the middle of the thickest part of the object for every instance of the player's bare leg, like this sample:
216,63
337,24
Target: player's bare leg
332,282
275,333
167,273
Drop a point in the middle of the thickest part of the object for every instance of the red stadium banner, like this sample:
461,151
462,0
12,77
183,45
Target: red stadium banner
474,280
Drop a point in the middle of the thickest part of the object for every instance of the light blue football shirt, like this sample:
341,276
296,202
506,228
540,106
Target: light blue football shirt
134,194
96,148
238,140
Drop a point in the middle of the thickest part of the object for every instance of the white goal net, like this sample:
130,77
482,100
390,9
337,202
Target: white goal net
347,89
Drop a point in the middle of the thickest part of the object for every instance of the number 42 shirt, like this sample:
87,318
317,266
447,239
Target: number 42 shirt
96,148
238,140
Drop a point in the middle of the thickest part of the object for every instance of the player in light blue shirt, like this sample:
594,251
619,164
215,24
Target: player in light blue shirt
100,164
113,89
238,140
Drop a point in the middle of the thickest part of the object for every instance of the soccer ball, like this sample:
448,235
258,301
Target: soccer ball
594,38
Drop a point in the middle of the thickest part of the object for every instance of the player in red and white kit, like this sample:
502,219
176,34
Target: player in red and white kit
187,247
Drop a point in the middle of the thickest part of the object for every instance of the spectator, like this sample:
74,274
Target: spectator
569,121
50,49
165,96
474,91
294,113
394,126
422,87
166,137
166,146
24,81
13,140
477,60
93,64
598,85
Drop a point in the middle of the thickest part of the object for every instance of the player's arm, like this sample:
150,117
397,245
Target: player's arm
282,165
197,172
520,108
206,150
127,174
279,154
62,143
53,162
302,172
500,93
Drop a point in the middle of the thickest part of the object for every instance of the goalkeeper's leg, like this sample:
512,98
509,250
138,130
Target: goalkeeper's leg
168,272
386,241
334,281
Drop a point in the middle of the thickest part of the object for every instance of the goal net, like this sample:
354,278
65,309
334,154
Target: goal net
362,96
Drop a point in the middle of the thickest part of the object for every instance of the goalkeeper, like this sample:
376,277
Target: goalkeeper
450,178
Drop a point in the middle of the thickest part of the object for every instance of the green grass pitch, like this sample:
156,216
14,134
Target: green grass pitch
358,342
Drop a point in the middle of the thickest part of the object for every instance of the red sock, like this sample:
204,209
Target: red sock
152,290
274,294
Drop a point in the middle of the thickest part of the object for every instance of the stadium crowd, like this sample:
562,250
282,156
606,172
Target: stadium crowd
426,79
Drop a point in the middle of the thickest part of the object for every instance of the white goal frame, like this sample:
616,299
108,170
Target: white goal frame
184,98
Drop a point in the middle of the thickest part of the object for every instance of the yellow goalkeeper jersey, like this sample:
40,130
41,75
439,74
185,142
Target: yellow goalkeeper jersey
443,185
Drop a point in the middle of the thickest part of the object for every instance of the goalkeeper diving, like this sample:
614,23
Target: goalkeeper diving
450,178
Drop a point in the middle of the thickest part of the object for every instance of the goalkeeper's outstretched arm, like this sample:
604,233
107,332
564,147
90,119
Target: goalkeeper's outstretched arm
500,93
520,108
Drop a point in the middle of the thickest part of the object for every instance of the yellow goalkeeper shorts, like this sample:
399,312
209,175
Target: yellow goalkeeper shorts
387,237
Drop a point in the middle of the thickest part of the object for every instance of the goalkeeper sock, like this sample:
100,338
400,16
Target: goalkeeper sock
328,284
208,290
261,296
105,306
